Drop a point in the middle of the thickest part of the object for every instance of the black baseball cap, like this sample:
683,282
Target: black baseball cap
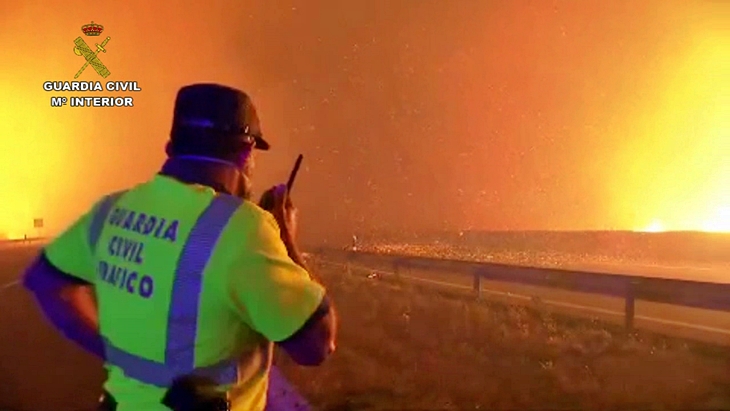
214,114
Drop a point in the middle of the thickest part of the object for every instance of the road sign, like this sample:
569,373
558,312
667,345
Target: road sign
37,223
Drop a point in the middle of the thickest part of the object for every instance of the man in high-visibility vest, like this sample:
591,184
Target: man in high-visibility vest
189,278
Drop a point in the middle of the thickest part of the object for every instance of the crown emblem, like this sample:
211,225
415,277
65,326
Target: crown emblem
92,29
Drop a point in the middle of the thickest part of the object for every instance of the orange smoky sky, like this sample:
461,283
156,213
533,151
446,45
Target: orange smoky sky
412,114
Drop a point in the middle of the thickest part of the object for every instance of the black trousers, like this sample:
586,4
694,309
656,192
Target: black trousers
108,403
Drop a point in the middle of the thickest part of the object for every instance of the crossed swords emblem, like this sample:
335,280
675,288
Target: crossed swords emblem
82,49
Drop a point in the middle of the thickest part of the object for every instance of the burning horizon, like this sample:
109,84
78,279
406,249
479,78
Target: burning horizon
445,115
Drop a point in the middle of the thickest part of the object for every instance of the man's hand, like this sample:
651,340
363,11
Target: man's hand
276,200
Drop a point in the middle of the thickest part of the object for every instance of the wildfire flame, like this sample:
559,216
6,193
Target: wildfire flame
656,226
718,223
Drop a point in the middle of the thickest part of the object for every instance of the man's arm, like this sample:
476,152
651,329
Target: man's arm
281,300
315,340
61,280
67,302
298,257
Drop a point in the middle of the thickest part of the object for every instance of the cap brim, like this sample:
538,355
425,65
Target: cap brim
261,144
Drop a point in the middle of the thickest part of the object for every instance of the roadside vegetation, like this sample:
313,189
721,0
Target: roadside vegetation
403,346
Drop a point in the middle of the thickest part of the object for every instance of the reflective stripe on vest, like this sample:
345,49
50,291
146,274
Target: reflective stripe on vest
99,218
182,321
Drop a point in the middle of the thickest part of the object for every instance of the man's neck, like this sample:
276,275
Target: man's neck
219,177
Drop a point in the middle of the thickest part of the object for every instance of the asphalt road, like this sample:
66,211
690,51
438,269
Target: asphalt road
39,369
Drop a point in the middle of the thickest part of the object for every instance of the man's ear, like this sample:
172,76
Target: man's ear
245,188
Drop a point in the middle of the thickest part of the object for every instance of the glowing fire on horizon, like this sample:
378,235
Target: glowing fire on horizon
719,223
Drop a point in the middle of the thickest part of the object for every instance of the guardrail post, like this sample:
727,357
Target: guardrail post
630,306
478,285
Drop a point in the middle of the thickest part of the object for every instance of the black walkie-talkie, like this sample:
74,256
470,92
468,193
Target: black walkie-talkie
267,202
294,171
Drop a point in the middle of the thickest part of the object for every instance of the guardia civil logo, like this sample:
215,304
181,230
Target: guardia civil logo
82,49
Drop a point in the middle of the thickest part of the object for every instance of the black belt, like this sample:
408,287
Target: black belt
107,402
186,394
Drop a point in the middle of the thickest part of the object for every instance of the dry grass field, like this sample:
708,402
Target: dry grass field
408,347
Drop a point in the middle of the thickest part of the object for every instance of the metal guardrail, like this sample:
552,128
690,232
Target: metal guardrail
711,296
26,240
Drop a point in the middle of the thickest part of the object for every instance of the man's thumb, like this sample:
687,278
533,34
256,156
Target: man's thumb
280,194
267,201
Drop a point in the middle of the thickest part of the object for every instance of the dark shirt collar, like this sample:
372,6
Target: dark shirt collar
192,172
